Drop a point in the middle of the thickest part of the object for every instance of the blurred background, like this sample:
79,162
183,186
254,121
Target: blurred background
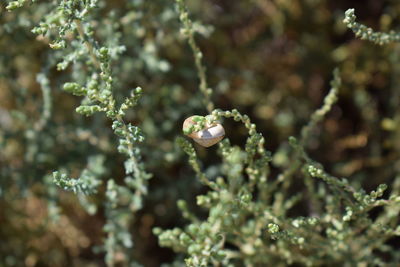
272,60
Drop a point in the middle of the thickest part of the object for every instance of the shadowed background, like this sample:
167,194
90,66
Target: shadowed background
272,60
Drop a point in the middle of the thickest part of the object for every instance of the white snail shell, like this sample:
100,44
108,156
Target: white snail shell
208,136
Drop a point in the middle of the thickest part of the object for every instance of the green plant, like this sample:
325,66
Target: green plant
261,196
366,33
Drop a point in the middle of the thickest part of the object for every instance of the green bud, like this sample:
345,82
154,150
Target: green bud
75,89
88,110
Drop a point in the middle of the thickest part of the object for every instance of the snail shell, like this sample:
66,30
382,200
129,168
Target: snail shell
208,136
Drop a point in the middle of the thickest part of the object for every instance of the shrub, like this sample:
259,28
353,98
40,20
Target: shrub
115,182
